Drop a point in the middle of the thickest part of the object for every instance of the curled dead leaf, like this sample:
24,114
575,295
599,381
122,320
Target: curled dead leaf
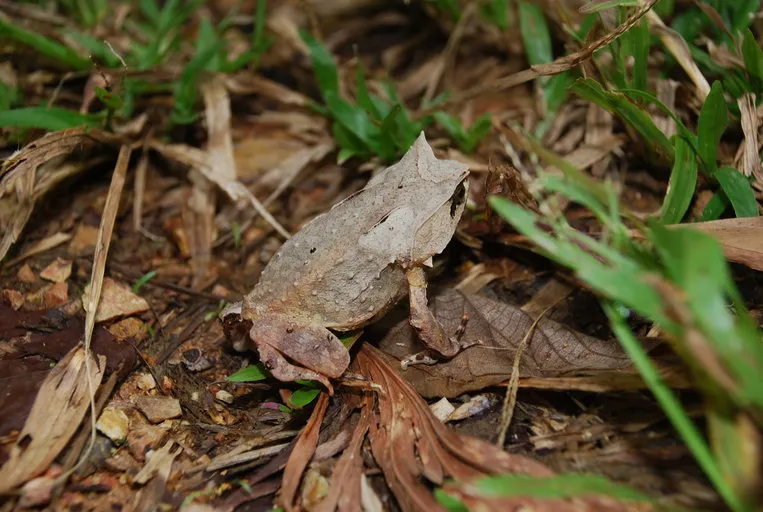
553,350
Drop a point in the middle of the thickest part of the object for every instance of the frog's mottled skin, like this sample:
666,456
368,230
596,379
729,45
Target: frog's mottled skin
349,265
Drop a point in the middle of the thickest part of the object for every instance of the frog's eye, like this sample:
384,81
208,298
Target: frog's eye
457,199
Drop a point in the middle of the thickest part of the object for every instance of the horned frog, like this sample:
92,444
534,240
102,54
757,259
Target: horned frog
350,265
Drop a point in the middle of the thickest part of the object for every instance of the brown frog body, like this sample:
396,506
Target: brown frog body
353,263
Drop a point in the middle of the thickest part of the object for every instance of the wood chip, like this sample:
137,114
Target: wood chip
26,274
58,271
83,240
117,300
158,408
114,424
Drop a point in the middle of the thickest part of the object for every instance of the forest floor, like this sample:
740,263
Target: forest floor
155,155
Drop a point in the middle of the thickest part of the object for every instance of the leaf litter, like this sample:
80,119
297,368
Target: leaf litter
578,406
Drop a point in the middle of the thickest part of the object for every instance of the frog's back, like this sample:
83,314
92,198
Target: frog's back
322,275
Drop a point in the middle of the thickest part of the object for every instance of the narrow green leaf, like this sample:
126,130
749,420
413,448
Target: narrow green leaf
351,117
253,373
48,47
186,93
150,9
259,41
683,181
564,486
478,131
363,97
648,97
672,406
51,119
96,47
556,90
737,188
715,207
713,120
622,279
592,7
636,117
639,40
323,66
752,55
535,34
451,503
388,133
496,12
303,396
143,280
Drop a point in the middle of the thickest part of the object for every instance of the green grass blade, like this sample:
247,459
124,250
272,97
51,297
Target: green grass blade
150,9
592,7
535,34
636,117
713,120
622,279
683,181
715,207
738,190
555,487
639,42
51,119
97,48
752,55
363,97
142,280
323,66
48,47
672,407
259,41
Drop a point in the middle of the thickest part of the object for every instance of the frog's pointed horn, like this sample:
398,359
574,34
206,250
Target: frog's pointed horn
421,144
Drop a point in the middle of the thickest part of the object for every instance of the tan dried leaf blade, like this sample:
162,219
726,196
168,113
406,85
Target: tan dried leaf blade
554,349
57,412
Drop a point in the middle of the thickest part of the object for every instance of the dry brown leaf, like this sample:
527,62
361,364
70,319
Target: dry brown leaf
411,445
58,271
301,455
675,43
158,466
415,449
249,83
585,156
21,186
749,161
622,380
43,245
345,484
56,415
198,159
741,238
116,299
553,350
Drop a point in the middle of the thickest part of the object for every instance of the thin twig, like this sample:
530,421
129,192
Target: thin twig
510,400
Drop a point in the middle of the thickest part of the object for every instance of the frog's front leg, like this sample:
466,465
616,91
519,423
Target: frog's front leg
293,351
429,329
